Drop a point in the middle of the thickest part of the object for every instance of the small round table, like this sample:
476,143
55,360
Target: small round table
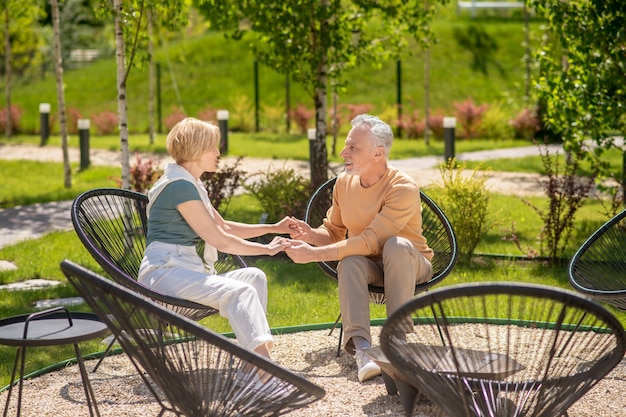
56,326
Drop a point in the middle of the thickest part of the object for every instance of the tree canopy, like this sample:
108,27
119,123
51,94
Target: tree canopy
582,70
315,42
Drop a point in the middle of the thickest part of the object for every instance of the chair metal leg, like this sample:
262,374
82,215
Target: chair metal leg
335,325
340,339
108,349
408,397
390,384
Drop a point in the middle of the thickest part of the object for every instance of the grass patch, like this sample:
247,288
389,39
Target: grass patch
46,182
534,165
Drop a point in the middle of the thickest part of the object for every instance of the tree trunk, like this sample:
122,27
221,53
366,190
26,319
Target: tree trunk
151,81
58,69
122,106
319,159
7,72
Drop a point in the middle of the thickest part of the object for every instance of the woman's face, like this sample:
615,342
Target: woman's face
209,160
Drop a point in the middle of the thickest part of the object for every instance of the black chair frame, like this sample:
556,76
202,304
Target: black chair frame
112,225
510,349
198,371
597,268
437,230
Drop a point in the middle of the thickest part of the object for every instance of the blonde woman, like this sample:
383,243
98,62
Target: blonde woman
180,216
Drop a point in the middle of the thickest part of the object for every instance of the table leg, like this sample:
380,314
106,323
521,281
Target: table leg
19,359
91,398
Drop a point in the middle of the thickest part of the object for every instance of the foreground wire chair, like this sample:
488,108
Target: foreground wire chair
597,268
510,349
200,373
112,224
436,229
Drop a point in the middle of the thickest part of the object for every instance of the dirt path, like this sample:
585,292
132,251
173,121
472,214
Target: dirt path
423,170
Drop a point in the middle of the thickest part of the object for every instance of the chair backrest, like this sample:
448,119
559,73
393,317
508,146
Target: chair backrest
112,225
436,229
201,373
504,349
597,268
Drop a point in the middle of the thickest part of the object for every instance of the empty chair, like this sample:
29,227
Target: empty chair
201,373
436,229
597,268
508,349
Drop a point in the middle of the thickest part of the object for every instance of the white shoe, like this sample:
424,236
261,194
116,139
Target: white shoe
367,368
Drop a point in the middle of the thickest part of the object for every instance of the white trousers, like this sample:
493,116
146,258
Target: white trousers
239,295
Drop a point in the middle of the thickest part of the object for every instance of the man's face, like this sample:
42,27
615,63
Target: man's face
359,152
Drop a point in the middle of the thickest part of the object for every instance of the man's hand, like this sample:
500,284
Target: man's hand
300,252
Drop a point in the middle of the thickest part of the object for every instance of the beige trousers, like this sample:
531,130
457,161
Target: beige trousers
401,267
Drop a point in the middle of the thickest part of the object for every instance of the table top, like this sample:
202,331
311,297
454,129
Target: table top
53,329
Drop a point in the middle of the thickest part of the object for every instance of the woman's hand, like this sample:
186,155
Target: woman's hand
278,244
300,230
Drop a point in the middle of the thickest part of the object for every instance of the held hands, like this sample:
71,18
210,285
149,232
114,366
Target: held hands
300,252
300,230
278,244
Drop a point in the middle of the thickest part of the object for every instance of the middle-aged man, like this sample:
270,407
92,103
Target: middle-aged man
374,228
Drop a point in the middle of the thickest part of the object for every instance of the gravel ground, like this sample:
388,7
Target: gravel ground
121,392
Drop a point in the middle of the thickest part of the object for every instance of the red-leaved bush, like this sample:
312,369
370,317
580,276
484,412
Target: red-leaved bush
106,122
469,116
208,115
302,117
526,124
72,116
412,125
143,174
16,117
435,124
174,117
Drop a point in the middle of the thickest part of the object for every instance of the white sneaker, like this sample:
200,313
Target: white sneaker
367,368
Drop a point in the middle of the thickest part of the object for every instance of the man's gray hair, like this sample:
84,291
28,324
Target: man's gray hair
380,132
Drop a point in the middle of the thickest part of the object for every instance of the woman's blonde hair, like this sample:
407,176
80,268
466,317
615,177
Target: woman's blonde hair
190,138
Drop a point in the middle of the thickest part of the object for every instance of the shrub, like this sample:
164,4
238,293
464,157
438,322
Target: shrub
465,200
356,109
274,117
469,117
106,122
495,123
73,114
281,193
242,117
176,115
412,125
143,174
208,114
435,124
222,184
526,124
566,191
16,118
301,117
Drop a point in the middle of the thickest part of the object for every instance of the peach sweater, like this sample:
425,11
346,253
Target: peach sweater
370,216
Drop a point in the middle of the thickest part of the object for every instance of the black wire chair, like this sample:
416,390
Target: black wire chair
597,268
436,229
112,224
199,372
510,349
